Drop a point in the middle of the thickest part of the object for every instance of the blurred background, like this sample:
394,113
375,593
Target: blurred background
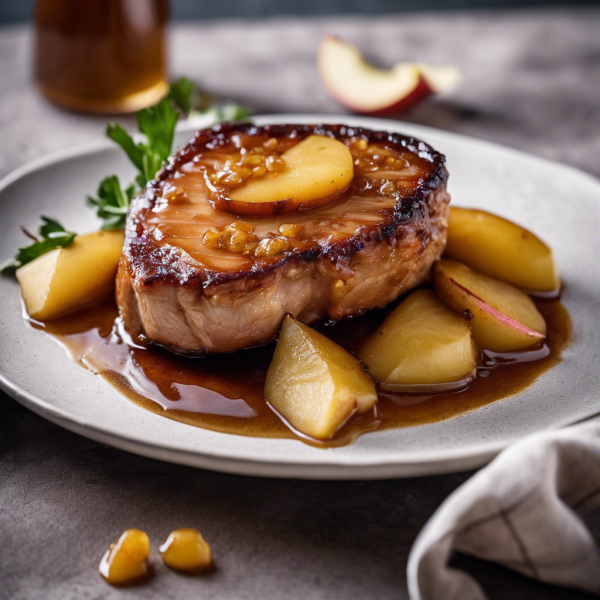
20,10
529,69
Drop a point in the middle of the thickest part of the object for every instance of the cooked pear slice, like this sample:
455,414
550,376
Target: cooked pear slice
502,317
421,342
316,171
501,249
64,279
314,384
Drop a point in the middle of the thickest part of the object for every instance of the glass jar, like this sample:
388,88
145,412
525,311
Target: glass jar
101,56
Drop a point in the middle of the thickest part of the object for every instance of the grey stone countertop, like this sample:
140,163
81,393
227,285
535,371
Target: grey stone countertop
531,81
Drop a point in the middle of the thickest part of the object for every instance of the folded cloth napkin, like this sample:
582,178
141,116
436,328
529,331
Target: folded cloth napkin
521,511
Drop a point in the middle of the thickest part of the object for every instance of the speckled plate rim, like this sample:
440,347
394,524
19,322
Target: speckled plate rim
426,463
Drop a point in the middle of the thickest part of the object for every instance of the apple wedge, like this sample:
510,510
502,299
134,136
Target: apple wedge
363,88
421,342
314,384
502,317
501,249
316,171
63,280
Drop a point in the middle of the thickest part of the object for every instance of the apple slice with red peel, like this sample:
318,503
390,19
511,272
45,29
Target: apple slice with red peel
502,318
363,88
316,171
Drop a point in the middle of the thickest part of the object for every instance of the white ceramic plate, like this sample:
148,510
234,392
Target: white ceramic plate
559,203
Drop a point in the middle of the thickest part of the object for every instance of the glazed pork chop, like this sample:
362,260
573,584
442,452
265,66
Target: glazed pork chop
210,266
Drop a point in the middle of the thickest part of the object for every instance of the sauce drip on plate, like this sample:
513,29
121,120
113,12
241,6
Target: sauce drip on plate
225,392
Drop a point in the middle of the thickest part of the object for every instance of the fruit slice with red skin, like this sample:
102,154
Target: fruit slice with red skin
317,170
502,317
501,249
365,89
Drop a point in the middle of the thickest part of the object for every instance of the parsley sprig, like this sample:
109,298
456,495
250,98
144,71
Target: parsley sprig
157,125
186,96
112,202
53,235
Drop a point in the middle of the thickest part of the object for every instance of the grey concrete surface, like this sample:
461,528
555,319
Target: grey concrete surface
531,81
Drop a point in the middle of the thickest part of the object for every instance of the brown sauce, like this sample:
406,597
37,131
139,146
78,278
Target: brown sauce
225,392
183,214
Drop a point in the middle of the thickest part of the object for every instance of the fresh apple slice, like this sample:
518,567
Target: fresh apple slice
316,171
362,88
502,317
501,249
65,279
314,384
421,342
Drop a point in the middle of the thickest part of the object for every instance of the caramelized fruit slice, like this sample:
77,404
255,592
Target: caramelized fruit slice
421,342
316,171
314,384
186,550
65,279
126,562
502,317
501,249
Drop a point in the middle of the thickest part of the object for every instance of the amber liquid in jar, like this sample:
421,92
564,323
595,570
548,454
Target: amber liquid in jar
101,56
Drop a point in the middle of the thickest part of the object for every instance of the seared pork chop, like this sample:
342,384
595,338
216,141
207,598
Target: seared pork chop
197,279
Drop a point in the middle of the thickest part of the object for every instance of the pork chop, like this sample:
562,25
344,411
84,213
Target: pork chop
199,280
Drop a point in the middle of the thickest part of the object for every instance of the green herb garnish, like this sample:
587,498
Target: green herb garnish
112,202
187,96
157,124
53,235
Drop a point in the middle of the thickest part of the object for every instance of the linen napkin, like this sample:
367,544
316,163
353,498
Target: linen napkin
521,511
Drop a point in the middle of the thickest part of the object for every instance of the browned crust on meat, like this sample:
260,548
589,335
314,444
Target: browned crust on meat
314,290
150,265
168,299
